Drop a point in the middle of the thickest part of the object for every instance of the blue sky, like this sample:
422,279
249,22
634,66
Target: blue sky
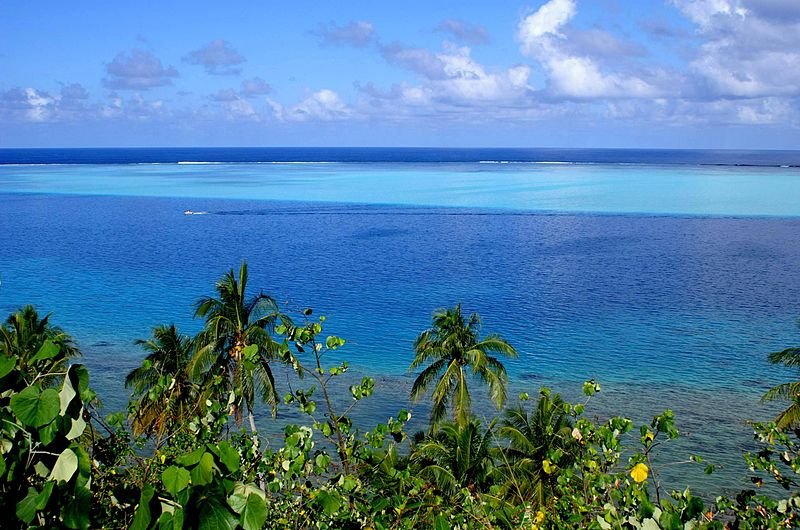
562,73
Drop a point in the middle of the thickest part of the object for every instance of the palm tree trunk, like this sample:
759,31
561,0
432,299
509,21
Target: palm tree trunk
252,421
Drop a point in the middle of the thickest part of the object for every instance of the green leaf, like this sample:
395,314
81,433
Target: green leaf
203,472
26,508
250,352
7,364
237,502
190,459
76,512
215,516
66,465
84,466
229,456
44,497
35,407
47,351
48,433
66,395
330,503
175,479
78,426
142,516
441,523
255,513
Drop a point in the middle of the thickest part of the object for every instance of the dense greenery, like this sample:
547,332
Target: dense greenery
178,458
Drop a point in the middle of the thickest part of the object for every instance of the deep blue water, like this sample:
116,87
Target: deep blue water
665,310
150,155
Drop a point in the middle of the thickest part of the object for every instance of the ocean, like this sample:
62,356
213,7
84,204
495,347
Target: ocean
668,276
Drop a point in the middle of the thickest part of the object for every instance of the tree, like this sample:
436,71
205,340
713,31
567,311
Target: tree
235,344
539,442
24,335
790,417
451,347
457,455
163,394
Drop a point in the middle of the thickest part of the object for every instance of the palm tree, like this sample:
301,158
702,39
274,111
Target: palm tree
163,394
456,456
790,417
232,323
452,346
533,437
24,334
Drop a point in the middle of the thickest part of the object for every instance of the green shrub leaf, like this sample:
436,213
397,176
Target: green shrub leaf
175,479
255,513
35,407
66,466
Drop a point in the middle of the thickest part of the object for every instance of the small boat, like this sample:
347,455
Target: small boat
192,212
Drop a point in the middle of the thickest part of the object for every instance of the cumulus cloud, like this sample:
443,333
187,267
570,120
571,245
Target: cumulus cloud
464,32
255,87
137,70
35,105
746,51
358,33
323,105
217,57
570,73
227,94
418,60
74,91
134,108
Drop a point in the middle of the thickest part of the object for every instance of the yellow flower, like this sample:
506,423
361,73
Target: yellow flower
163,458
539,517
649,436
547,466
639,472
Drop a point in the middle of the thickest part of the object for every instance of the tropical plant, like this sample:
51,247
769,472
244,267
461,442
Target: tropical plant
540,442
790,416
236,345
163,394
22,337
451,347
456,456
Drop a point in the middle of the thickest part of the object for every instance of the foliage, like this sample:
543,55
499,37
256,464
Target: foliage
235,346
789,417
452,346
163,395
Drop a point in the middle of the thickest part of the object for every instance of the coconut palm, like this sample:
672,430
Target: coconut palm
456,456
24,334
539,442
790,417
452,348
232,323
163,394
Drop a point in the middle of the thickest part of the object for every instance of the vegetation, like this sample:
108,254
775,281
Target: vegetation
452,347
178,458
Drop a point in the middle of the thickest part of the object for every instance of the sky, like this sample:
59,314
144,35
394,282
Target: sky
443,73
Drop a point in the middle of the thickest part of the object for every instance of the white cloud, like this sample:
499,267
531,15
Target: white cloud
357,33
570,74
324,105
704,12
137,70
747,52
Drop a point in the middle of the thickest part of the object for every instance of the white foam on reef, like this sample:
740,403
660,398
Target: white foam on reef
193,163
525,162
